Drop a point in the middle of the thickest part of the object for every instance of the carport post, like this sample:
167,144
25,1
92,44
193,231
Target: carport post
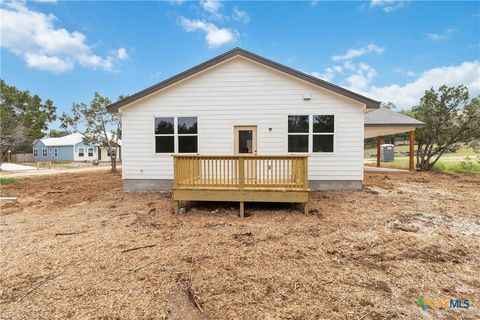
379,140
411,166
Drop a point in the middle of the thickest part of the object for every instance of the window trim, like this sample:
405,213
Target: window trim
311,134
83,151
55,152
88,152
35,152
44,152
178,135
175,135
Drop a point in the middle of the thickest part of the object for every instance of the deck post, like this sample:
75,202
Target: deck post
305,208
242,209
379,141
176,206
411,165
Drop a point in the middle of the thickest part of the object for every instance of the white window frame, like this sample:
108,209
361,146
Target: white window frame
35,152
178,135
308,134
175,135
324,133
311,133
83,151
88,152
55,152
44,152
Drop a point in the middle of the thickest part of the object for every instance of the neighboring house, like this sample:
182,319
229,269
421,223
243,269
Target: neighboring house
242,104
68,148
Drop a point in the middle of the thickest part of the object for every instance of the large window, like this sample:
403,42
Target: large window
44,152
90,152
164,135
187,135
182,129
298,129
323,133
319,128
55,152
81,152
35,152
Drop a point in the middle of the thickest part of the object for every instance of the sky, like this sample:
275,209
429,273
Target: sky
391,51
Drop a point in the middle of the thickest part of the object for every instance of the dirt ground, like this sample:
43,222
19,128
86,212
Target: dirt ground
70,249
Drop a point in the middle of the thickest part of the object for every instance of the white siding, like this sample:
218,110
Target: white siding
242,92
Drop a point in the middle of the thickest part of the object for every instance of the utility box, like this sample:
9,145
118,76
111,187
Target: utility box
387,152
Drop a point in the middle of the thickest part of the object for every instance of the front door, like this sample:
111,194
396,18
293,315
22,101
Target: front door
245,140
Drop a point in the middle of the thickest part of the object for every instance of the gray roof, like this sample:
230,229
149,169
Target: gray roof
370,103
387,117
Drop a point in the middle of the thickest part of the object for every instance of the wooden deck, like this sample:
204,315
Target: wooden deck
240,178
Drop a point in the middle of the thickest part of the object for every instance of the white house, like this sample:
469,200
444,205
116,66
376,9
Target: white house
241,103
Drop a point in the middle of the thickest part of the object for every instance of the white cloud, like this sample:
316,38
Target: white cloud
33,36
364,74
214,36
408,95
49,63
354,53
213,7
388,5
445,35
240,15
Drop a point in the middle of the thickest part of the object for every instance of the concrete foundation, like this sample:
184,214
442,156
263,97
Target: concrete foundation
165,185
319,185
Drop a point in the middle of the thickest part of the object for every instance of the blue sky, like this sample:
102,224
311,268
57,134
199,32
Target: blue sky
388,50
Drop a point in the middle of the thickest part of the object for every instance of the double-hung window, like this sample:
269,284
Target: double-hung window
55,152
81,152
44,152
323,133
298,132
90,152
187,134
176,134
311,133
35,152
165,135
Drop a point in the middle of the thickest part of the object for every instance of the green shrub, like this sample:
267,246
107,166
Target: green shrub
7,180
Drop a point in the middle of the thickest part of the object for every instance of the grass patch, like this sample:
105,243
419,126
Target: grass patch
468,165
7,180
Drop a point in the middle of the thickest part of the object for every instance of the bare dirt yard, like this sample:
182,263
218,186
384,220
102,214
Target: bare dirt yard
71,248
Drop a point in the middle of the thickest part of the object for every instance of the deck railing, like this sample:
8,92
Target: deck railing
288,172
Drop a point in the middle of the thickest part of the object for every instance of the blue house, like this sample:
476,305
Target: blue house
67,148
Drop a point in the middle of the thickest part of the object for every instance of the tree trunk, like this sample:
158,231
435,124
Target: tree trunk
114,162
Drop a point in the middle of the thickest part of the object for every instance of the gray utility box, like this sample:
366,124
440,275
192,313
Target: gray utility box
387,152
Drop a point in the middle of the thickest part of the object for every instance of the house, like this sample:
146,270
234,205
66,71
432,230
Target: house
68,148
241,104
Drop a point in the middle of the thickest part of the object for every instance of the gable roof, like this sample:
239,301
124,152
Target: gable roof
70,140
386,117
370,103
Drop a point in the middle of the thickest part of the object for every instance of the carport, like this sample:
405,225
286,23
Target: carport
382,122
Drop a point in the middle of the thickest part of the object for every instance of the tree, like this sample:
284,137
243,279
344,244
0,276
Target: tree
58,133
94,122
387,105
23,118
450,117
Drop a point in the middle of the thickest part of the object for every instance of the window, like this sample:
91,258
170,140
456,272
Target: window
298,129
164,135
113,153
187,134
90,152
55,152
322,132
35,152
44,152
81,152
